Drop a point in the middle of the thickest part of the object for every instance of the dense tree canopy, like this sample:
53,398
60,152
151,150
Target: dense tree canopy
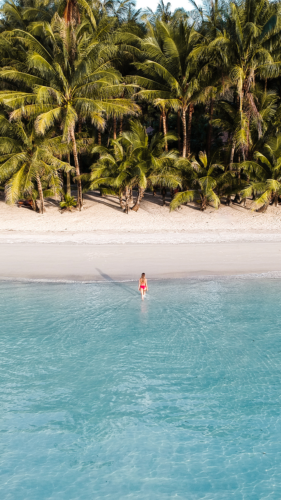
124,99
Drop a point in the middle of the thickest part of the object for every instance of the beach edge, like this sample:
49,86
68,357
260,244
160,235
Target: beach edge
118,262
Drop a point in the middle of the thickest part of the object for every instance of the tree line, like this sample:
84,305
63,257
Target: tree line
122,100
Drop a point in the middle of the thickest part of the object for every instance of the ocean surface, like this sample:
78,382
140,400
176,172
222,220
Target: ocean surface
103,396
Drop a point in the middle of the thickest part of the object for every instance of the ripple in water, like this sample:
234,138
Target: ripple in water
106,397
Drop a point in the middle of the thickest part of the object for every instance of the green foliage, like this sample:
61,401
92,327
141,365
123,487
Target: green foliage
203,179
265,174
133,161
75,74
27,160
69,202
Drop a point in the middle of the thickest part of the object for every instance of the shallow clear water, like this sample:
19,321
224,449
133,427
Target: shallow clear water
105,397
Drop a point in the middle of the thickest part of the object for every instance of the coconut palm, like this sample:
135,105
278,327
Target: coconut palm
265,173
249,47
147,155
28,165
77,80
210,14
228,119
169,77
68,203
21,14
73,10
112,173
133,161
166,175
213,74
205,179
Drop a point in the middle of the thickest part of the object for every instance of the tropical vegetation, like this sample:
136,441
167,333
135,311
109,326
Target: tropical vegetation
102,96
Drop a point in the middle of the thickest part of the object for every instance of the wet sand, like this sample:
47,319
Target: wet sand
125,262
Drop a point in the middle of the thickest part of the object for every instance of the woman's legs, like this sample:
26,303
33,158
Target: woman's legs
142,293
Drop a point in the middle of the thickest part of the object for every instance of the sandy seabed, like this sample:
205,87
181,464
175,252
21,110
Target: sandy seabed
103,243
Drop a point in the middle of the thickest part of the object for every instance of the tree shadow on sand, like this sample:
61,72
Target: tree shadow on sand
108,203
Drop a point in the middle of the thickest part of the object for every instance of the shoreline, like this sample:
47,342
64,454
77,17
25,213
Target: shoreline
109,263
102,244
273,275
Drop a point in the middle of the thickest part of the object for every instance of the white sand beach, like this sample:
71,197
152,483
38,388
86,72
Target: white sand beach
102,221
102,243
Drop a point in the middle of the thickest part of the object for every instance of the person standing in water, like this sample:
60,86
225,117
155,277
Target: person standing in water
143,287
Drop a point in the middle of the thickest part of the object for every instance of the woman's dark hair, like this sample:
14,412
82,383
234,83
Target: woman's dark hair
143,275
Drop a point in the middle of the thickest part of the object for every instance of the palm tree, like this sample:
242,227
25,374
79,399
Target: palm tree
228,119
213,74
69,202
28,164
132,161
209,15
147,156
112,173
170,76
265,185
166,175
249,47
77,81
20,14
163,13
204,178
71,11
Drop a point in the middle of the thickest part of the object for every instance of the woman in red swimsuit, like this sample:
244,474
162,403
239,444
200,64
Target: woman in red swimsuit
143,287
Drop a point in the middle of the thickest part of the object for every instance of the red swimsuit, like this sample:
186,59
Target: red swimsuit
143,286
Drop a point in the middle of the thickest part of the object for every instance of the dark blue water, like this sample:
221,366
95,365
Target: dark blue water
106,397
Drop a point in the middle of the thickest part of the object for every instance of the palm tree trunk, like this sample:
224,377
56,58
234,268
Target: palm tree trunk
184,132
77,169
232,154
99,137
121,199
68,180
264,208
237,196
165,130
60,175
114,127
71,13
203,203
127,200
138,200
68,183
41,196
179,130
160,123
190,112
210,128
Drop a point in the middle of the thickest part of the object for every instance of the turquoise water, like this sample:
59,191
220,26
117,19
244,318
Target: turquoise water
106,397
